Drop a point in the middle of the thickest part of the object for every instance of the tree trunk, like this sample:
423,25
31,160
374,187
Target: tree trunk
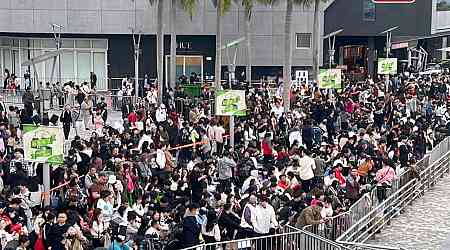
316,39
160,49
287,56
173,44
218,70
248,73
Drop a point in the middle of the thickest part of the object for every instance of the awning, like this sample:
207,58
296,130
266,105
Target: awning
44,57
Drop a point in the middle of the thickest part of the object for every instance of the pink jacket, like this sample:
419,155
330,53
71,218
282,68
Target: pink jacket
385,175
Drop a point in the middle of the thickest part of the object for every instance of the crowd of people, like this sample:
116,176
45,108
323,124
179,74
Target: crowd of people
134,186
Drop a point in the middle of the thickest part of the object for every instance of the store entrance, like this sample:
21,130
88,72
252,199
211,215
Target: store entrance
356,60
185,65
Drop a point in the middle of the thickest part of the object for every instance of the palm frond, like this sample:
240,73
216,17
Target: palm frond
226,6
190,6
248,6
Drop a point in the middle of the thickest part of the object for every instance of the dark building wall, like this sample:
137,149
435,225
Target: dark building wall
121,56
413,19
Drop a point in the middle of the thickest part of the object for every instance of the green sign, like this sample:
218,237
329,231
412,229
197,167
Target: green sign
231,103
387,66
43,143
330,79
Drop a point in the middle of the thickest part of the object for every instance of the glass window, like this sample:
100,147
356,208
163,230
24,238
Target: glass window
6,42
15,43
83,66
48,43
7,59
303,40
24,43
67,43
36,43
369,13
48,70
100,44
24,57
67,66
82,43
99,69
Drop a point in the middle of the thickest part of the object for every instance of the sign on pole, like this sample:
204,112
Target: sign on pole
387,66
330,79
301,76
42,143
231,103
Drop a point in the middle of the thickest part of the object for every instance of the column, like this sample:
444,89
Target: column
444,45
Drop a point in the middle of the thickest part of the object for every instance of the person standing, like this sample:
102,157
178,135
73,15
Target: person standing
266,222
248,219
191,228
219,131
57,231
306,165
102,106
93,79
6,76
66,119
310,215
85,113
98,123
28,100
225,168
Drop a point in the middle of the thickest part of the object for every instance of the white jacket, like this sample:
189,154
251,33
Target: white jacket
265,219
252,210
306,166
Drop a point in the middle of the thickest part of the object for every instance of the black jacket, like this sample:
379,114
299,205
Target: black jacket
230,223
56,236
66,117
191,232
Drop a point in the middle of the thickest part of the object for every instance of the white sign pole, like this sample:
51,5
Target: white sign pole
46,182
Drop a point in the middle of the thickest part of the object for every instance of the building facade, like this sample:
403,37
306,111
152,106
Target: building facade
363,21
97,36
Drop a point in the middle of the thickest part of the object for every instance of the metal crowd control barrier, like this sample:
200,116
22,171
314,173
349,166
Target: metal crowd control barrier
405,189
332,228
292,239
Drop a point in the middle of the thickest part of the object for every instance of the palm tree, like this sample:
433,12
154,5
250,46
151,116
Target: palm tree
159,45
248,6
222,6
316,38
287,67
189,6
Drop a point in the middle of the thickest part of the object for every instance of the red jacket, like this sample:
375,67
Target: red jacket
266,148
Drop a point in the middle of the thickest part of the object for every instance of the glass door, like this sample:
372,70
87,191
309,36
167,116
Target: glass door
185,65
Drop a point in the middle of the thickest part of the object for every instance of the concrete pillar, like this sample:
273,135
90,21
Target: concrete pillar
444,45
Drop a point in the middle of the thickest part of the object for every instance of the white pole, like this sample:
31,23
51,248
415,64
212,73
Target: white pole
46,182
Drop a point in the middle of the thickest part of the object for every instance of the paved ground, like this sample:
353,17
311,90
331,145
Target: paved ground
425,225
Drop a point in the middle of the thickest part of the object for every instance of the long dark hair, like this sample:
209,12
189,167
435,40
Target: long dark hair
211,221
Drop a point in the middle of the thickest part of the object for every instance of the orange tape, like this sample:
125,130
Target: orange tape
44,194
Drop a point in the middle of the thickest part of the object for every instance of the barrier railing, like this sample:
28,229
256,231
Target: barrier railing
332,228
404,190
292,239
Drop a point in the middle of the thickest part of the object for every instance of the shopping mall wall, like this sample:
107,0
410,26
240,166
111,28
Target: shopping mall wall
118,16
365,18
